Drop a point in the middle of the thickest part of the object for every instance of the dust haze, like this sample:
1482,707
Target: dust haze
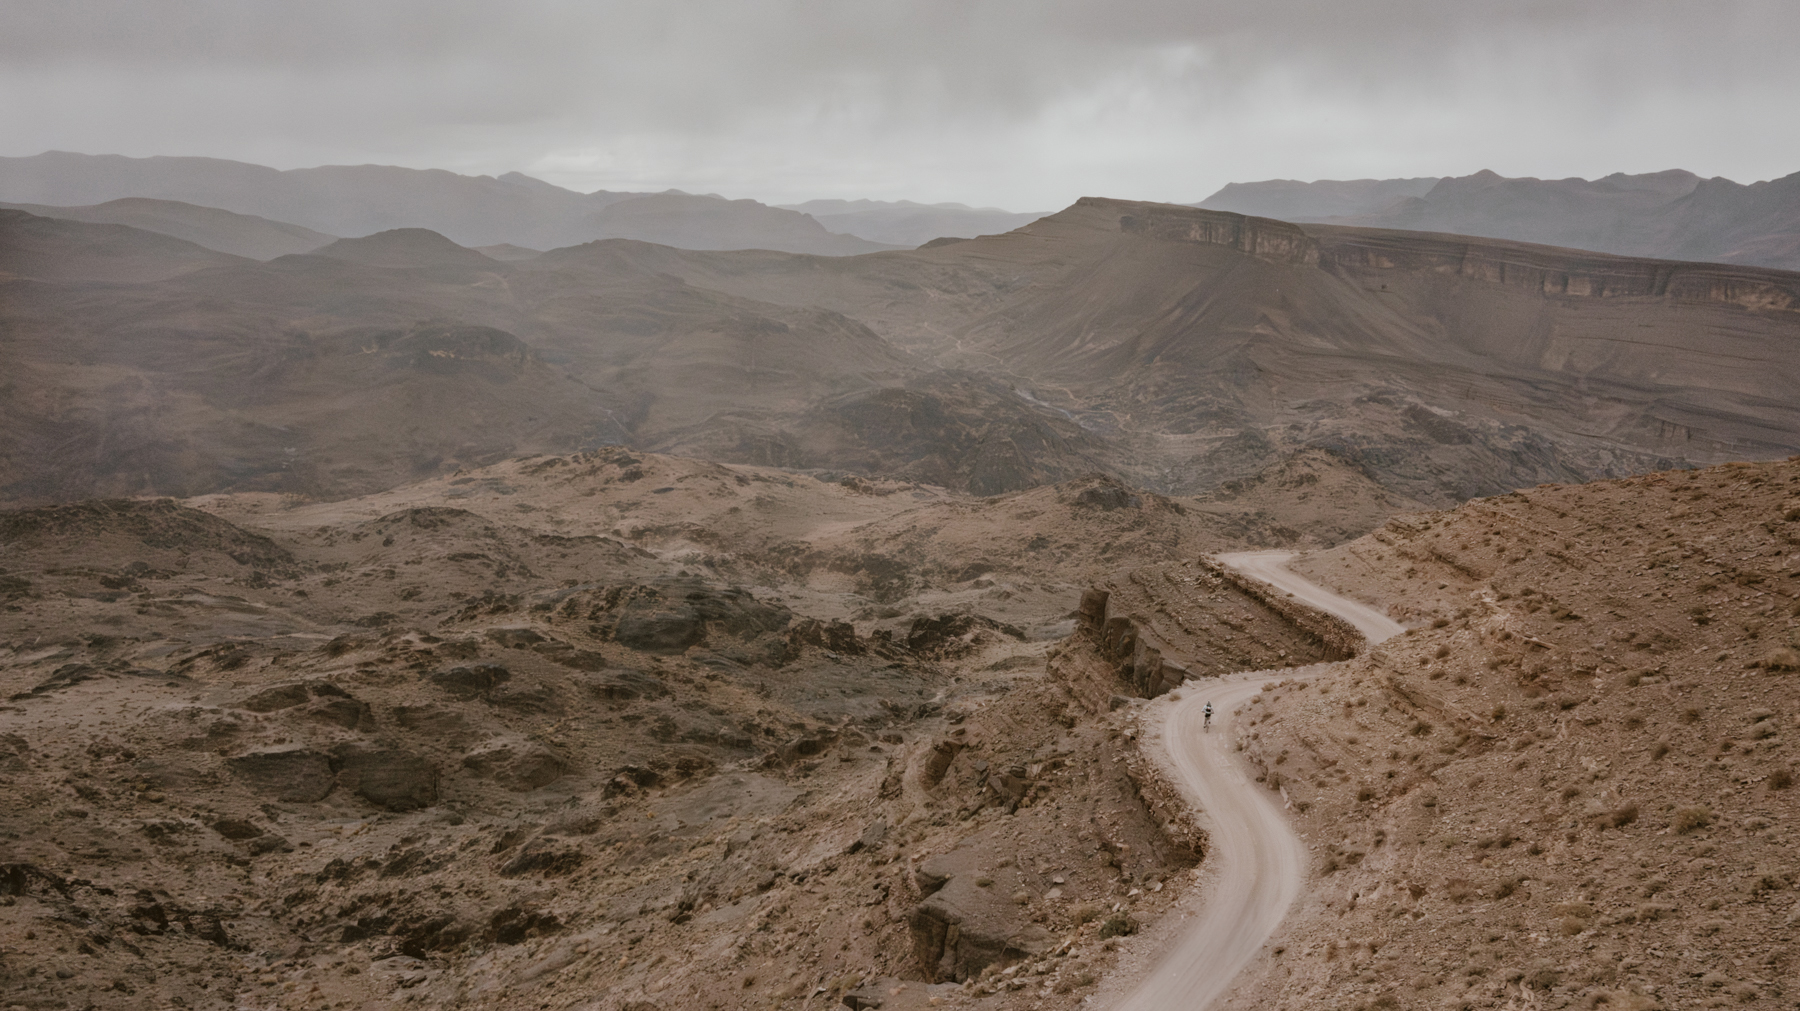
950,507
785,102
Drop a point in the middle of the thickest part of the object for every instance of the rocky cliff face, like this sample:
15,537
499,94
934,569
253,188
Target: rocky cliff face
1554,272
1263,238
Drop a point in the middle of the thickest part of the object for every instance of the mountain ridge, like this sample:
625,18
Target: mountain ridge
1173,347
1672,214
355,200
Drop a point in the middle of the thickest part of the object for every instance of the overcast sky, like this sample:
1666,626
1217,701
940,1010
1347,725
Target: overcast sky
1023,105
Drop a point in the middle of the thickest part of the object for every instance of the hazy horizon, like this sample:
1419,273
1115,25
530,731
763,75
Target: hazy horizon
1004,104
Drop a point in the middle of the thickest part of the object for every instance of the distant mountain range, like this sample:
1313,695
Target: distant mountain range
904,223
238,234
260,212
1674,215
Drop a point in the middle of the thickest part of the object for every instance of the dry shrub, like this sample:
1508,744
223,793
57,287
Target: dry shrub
1661,749
1458,890
1087,911
1783,659
1622,816
1620,1000
1441,652
1690,818
1542,976
1569,926
1781,779
1117,926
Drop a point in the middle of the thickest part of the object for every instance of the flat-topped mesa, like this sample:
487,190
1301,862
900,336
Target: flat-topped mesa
1552,270
1264,238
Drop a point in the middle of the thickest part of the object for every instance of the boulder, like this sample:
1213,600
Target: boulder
448,725
1093,609
952,635
938,762
961,927
322,701
834,635
13,752
1107,497
279,697
291,774
672,616
388,777
344,713
871,837
471,681
623,684
1008,786
518,765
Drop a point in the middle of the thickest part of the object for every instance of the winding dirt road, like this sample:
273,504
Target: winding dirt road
1259,864
1271,567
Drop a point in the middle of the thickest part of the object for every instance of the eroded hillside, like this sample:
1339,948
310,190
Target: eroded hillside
1570,783
611,728
1172,348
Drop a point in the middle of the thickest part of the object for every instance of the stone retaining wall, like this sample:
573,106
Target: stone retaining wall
1333,632
1162,797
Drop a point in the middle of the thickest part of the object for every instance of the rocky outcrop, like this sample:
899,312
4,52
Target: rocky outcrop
1334,633
1157,787
1263,238
834,635
961,927
938,762
944,636
1129,645
471,681
520,766
292,775
315,700
672,616
1553,271
625,684
387,777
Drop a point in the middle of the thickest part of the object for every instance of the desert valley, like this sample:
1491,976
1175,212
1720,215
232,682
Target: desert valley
462,592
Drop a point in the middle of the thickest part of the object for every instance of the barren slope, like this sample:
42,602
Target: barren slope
574,729
1171,347
1206,345
237,234
1569,784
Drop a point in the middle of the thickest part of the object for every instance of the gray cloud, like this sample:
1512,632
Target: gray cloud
1020,104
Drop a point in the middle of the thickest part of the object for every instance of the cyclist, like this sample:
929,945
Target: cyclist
1207,713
